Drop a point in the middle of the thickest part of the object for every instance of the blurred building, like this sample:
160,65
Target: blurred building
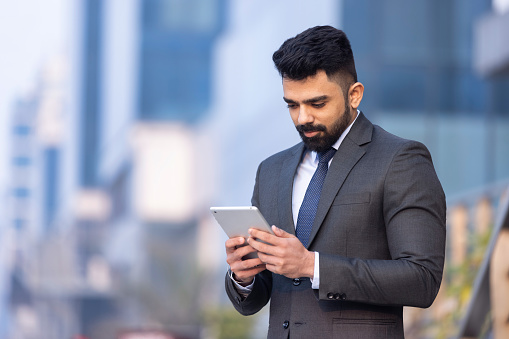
22,211
416,60
36,127
142,83
113,244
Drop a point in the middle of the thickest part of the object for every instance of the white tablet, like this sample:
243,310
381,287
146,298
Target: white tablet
236,221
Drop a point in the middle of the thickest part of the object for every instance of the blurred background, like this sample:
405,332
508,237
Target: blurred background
123,121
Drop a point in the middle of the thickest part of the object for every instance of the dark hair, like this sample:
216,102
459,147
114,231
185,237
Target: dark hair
317,48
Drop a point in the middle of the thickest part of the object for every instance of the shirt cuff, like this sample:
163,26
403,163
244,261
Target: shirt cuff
242,290
315,282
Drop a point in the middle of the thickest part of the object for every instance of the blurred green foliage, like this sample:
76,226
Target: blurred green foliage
226,323
459,281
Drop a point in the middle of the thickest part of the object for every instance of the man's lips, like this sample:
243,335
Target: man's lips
310,134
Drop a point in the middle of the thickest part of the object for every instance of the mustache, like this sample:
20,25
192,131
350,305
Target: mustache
311,128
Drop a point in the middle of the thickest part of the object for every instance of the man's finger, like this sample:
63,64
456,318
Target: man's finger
281,233
260,246
268,259
243,265
262,235
233,243
248,274
242,251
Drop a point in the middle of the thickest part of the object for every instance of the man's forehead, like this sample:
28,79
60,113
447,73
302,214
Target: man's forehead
310,87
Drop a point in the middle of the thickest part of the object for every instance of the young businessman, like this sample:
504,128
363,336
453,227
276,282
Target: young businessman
359,213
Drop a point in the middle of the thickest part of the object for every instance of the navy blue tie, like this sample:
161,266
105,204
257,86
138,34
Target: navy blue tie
309,205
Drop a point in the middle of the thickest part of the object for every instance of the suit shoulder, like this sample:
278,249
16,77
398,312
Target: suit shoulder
390,141
282,155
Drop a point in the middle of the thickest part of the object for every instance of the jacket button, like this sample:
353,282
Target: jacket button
330,296
342,296
286,324
296,282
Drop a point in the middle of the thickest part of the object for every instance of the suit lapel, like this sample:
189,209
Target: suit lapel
285,189
348,154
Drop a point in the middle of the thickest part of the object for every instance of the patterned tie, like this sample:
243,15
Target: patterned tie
309,205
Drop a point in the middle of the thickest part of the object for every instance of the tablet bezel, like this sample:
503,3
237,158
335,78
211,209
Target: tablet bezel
237,220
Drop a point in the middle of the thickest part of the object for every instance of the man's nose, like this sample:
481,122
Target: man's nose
305,116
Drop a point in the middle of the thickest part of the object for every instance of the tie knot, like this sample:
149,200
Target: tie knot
325,156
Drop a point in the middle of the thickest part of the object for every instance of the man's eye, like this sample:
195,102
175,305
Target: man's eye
320,105
291,106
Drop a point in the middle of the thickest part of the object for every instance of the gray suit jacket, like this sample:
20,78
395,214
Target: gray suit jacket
380,232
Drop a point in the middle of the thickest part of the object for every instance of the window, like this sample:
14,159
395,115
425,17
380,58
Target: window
21,161
21,192
22,130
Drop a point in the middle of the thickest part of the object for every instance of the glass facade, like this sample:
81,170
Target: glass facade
90,91
417,56
51,180
176,58
415,59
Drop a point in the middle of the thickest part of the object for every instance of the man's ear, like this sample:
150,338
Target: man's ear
355,94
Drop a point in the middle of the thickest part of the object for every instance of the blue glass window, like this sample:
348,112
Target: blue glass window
21,161
175,69
22,130
21,192
19,224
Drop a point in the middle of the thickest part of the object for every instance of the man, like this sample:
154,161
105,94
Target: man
370,223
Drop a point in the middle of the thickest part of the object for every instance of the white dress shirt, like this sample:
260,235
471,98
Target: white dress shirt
303,176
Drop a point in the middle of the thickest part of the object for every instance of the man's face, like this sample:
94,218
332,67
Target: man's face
318,110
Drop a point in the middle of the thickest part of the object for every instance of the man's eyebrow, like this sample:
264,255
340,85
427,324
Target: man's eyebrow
307,101
288,101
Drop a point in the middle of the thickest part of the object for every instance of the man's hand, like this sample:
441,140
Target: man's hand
285,255
243,270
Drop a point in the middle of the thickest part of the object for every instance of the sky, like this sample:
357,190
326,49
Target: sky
31,32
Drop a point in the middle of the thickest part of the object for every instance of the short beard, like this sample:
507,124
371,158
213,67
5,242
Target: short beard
324,141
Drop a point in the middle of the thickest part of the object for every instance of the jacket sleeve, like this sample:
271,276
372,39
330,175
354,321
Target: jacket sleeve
258,297
414,212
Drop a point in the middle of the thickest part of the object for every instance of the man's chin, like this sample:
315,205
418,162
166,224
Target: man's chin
315,145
